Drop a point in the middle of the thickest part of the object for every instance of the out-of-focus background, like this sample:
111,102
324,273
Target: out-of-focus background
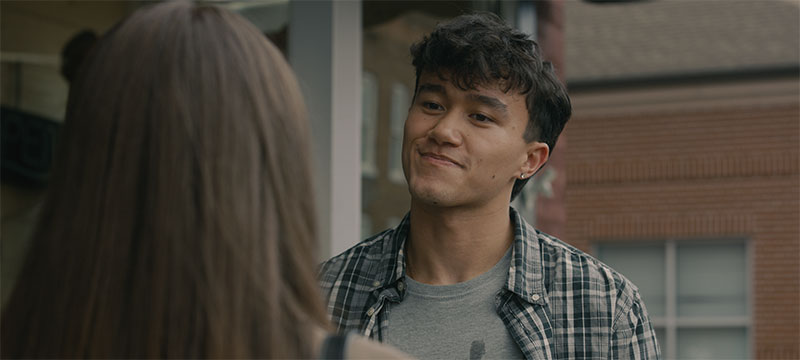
679,167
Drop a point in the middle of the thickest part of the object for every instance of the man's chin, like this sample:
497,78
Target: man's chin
431,196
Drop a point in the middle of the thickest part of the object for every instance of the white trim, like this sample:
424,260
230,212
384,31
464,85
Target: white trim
325,52
346,130
671,313
749,275
712,322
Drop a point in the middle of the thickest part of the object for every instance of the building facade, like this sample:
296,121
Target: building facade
683,166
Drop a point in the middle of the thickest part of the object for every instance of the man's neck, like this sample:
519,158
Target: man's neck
449,246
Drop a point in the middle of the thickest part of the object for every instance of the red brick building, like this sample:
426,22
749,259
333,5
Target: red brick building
683,166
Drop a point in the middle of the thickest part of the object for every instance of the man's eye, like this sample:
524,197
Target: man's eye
431,106
481,118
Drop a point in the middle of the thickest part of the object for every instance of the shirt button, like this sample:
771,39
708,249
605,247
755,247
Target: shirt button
376,283
400,286
535,297
370,311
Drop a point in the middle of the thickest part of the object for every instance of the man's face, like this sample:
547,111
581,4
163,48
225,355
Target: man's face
466,148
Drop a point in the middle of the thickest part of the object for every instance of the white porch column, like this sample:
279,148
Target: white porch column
325,52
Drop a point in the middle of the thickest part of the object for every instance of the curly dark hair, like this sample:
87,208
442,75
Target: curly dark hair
480,49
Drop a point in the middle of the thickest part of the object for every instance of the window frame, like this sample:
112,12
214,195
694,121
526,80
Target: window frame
671,322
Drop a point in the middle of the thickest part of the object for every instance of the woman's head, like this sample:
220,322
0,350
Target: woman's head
179,222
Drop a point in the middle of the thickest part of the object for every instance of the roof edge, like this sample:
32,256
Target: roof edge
716,76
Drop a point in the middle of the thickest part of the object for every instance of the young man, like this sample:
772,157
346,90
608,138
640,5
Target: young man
464,275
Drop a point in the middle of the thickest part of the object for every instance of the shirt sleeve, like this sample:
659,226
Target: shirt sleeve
633,336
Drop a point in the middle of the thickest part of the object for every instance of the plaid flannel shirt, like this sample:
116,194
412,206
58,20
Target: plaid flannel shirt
558,302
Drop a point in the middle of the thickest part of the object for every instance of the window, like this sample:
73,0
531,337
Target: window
366,226
397,118
696,294
369,123
393,221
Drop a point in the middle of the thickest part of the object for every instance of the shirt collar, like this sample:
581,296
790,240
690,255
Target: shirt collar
392,266
525,276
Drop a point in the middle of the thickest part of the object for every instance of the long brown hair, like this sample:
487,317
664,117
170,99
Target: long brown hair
179,222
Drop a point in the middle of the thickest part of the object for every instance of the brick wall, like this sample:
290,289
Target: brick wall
697,161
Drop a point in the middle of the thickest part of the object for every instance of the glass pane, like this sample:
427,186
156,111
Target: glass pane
644,266
366,225
399,111
712,343
369,116
712,280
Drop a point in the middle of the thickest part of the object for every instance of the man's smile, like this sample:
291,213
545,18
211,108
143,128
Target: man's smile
439,159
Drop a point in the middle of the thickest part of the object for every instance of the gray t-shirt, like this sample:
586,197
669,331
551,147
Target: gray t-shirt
453,321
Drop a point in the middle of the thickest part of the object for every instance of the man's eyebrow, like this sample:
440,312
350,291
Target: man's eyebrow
489,101
434,88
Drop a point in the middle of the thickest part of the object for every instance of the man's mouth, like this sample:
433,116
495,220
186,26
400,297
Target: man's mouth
440,159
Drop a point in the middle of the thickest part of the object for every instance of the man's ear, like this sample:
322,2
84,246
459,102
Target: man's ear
537,154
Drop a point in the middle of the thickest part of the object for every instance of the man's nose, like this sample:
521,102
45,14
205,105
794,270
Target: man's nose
446,130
